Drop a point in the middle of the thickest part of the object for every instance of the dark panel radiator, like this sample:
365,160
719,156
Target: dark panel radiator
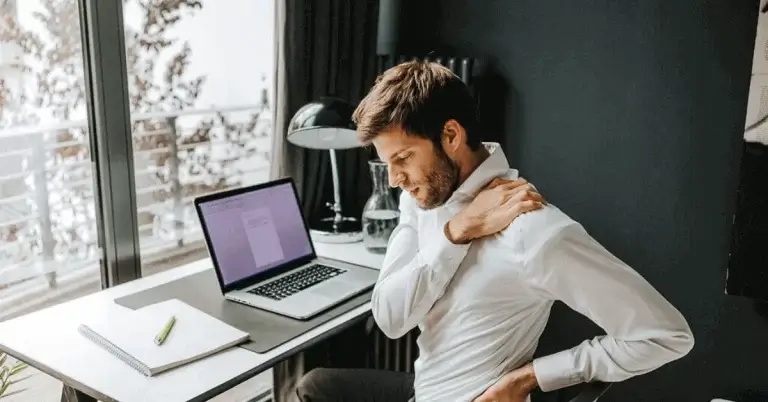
465,68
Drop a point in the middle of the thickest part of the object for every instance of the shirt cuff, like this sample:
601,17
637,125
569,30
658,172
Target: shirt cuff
556,371
445,255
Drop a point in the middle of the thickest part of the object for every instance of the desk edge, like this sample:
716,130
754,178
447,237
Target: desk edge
218,389
223,387
67,381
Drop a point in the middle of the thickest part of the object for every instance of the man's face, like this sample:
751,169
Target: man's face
418,167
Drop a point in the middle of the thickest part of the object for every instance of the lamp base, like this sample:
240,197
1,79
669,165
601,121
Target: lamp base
327,230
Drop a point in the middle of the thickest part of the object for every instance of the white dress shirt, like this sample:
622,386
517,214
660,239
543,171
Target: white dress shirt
482,307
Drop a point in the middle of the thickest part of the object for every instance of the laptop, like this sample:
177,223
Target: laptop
264,257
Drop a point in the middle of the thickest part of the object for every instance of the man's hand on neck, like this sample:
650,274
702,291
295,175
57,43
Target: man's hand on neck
492,210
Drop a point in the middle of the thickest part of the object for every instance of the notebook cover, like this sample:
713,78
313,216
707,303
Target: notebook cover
131,335
268,330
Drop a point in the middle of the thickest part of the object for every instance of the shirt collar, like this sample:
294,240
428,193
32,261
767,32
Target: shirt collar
495,165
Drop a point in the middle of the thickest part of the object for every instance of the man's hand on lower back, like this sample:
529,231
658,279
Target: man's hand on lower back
493,209
515,386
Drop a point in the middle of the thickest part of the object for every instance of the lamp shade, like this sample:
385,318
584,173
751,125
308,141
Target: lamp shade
324,124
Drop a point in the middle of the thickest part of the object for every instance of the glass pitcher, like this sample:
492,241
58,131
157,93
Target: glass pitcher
380,214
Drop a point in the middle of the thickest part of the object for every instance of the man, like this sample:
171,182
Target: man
476,263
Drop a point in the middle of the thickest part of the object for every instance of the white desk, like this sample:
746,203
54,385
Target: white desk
48,340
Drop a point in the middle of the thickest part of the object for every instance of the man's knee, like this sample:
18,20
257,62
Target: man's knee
315,385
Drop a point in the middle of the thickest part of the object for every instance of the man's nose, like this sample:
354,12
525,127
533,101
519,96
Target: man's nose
394,176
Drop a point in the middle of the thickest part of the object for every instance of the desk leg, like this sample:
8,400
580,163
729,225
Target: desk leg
69,394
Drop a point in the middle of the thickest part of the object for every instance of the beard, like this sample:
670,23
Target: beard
442,180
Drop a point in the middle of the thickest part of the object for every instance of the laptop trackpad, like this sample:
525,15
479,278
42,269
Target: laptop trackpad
326,291
329,290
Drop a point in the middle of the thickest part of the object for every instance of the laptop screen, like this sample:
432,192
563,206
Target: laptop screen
255,231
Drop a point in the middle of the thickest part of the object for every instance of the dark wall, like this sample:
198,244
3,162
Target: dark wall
629,118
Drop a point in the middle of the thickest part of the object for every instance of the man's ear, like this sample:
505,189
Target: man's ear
453,136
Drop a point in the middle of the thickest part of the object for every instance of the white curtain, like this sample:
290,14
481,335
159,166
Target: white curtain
324,48
280,94
286,373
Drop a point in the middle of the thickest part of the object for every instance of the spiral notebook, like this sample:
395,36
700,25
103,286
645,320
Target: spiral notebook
130,335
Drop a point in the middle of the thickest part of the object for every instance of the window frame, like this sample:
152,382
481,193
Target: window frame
106,82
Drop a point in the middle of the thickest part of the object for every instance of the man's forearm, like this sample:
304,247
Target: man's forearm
412,280
608,359
643,330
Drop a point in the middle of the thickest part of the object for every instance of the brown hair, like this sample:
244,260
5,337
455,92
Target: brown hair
420,97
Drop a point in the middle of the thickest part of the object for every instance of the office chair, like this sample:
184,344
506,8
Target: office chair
592,391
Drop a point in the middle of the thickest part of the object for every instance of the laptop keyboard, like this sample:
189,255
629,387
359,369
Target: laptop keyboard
296,282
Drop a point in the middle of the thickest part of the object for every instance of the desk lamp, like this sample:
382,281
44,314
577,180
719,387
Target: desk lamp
327,124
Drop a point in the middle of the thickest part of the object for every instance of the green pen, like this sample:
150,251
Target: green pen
160,338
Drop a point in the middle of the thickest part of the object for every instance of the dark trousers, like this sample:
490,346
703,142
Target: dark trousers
355,385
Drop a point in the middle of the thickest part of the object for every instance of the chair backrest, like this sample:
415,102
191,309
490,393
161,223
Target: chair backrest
592,392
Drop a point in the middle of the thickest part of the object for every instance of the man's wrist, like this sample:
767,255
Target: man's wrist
528,379
459,230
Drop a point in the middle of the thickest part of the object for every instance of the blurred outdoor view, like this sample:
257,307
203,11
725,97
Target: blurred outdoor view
200,78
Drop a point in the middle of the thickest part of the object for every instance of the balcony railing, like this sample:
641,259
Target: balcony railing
47,211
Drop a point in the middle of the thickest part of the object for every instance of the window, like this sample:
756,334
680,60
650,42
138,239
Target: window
49,247
200,76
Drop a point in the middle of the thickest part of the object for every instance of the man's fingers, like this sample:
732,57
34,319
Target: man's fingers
515,190
533,196
506,183
494,183
520,206
517,187
517,183
523,192
526,206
